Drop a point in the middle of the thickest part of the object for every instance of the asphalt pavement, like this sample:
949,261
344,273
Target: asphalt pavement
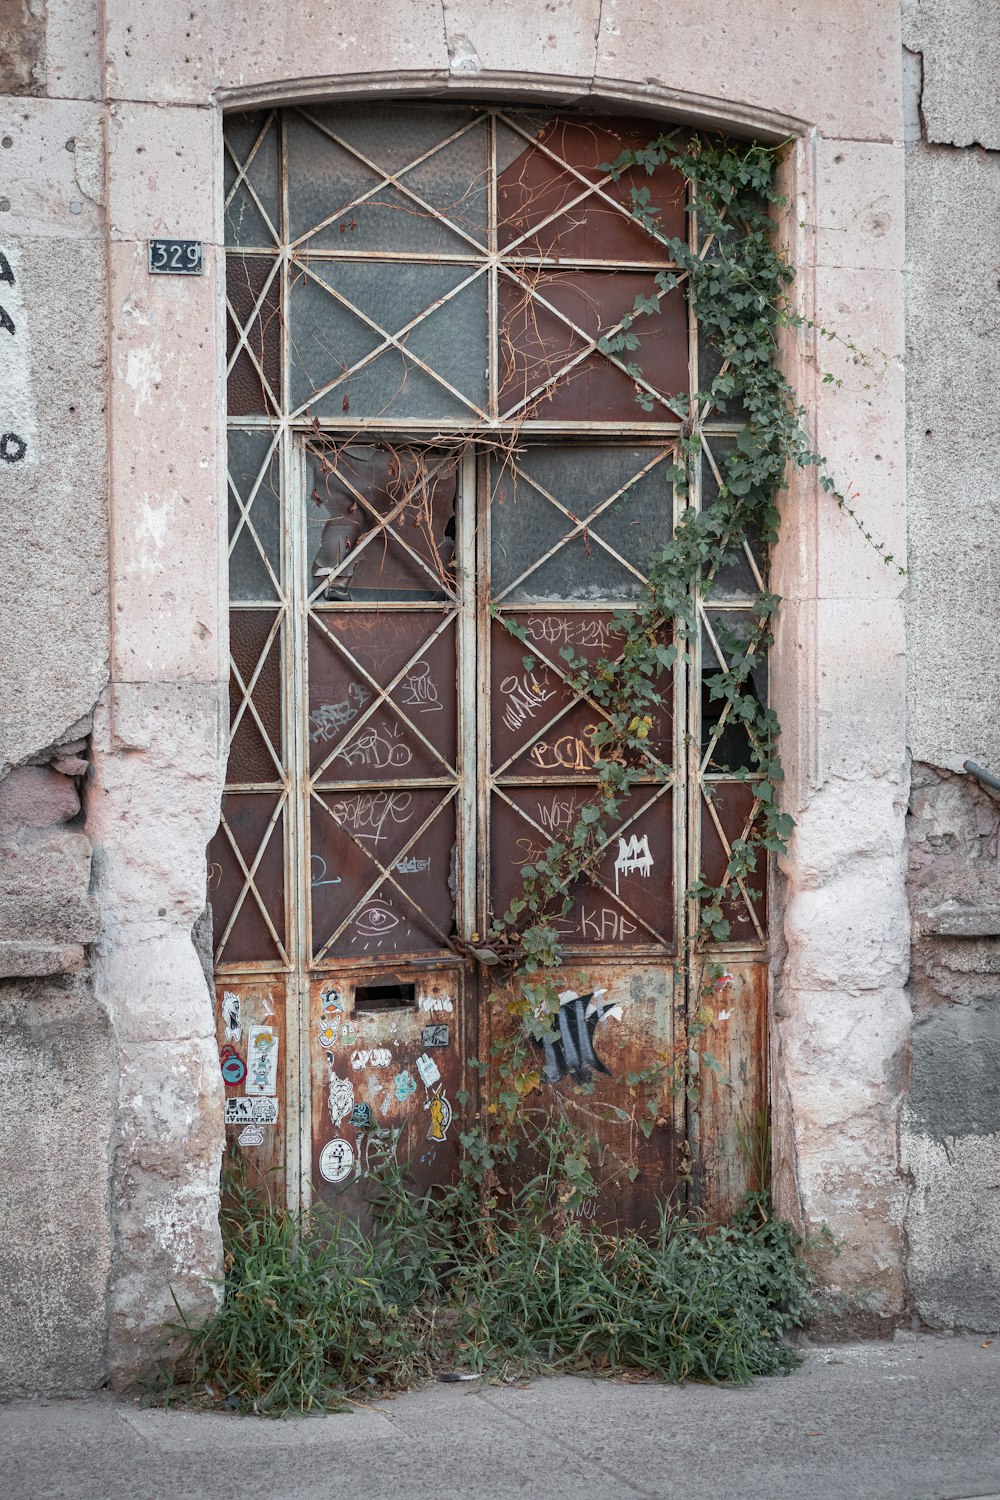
916,1419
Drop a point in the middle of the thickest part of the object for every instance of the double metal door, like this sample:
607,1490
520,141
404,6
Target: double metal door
406,738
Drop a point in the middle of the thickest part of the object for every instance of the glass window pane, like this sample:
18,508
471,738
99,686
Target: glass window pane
539,500
251,161
254,472
382,522
336,367
343,180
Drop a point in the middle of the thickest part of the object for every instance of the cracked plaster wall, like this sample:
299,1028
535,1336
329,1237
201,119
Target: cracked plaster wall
950,1128
58,1064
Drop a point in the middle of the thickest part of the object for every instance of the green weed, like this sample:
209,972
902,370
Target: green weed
317,1310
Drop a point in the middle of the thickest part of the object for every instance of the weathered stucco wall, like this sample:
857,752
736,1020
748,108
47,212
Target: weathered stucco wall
950,1134
136,635
58,1063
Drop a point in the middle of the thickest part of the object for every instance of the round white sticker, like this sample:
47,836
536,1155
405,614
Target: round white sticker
336,1160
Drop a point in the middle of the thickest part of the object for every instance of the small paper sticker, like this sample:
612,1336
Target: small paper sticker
440,1116
436,1002
262,1060
403,1085
251,1135
336,1160
435,1036
428,1069
231,1015
234,1069
243,1111
341,1097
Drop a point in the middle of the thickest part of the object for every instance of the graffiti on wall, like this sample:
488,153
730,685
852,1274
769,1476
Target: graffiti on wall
568,1050
17,407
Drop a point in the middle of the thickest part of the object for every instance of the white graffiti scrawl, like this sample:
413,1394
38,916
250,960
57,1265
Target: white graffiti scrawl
634,857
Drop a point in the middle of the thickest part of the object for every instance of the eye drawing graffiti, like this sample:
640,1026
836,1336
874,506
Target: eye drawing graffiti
569,1049
375,918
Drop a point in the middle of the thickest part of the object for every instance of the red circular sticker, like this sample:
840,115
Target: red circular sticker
234,1069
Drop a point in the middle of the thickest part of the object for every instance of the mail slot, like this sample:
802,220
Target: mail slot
375,997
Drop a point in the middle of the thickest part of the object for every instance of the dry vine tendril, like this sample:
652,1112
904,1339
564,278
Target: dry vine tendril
739,290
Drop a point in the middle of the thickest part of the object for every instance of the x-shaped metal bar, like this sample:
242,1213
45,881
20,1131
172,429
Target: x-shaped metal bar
578,526
249,880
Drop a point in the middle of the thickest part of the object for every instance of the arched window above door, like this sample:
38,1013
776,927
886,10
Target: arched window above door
447,268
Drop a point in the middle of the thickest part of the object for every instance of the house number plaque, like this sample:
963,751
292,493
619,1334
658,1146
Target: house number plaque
175,258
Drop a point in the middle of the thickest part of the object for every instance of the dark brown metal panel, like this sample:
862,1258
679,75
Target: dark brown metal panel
358,835
240,883
623,1079
411,733
246,277
385,1081
732,803
630,904
734,1093
256,752
533,188
251,1028
540,727
537,345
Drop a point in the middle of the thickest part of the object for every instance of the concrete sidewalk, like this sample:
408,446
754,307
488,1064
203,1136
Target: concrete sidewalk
912,1420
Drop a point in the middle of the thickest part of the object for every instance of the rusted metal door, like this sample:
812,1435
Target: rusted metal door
435,472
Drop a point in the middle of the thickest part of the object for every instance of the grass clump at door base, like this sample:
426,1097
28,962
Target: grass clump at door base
316,1310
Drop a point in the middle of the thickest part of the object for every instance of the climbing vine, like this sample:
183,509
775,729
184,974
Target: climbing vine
738,285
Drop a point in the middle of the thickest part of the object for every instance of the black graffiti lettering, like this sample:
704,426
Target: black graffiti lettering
12,448
6,321
6,274
569,1049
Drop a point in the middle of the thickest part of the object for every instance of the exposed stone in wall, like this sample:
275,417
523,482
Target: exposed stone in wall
152,809
22,47
841,1026
959,43
950,1126
951,1122
56,1069
952,377
47,914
